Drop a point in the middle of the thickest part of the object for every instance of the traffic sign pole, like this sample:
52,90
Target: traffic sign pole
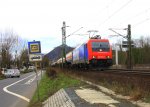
35,56
38,95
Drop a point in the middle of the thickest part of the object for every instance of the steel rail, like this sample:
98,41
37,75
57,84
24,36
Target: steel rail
125,71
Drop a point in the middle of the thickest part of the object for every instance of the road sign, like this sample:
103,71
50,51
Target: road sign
35,57
34,47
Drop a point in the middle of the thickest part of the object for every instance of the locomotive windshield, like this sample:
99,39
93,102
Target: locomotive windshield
100,46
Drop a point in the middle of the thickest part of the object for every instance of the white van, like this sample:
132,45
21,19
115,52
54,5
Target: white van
12,73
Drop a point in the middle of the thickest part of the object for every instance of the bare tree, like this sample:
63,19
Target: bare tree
24,58
8,42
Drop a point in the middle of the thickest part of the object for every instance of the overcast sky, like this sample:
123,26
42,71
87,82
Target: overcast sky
42,19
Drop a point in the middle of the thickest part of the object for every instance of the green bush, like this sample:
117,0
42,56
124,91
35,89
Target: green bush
51,72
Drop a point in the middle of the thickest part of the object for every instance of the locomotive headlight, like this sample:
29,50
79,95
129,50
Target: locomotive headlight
94,57
108,57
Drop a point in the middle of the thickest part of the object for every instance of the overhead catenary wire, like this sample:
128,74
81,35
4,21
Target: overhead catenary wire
141,22
119,28
118,33
118,10
81,34
145,11
136,15
107,6
74,32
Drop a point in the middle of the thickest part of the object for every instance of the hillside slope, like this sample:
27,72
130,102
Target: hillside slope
56,53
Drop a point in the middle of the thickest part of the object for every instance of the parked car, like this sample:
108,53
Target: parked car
23,69
32,68
12,73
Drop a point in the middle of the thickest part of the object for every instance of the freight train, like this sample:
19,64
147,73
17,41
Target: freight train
95,52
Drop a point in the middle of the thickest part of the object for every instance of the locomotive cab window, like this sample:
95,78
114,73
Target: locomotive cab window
100,46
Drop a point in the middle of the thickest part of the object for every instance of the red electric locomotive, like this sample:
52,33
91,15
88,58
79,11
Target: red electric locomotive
100,52
95,52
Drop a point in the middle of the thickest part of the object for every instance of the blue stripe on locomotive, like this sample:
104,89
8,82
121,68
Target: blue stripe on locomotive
80,55
86,52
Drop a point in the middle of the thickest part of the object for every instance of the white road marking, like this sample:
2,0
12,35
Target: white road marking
15,94
30,81
39,74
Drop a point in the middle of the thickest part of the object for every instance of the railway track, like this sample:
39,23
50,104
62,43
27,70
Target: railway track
123,71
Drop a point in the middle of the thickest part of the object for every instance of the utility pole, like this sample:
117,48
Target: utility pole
116,54
128,37
63,44
129,47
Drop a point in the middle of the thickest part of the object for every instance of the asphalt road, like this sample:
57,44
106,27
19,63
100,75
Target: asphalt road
17,92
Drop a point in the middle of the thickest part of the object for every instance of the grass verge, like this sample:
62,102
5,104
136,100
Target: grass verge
136,87
49,85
